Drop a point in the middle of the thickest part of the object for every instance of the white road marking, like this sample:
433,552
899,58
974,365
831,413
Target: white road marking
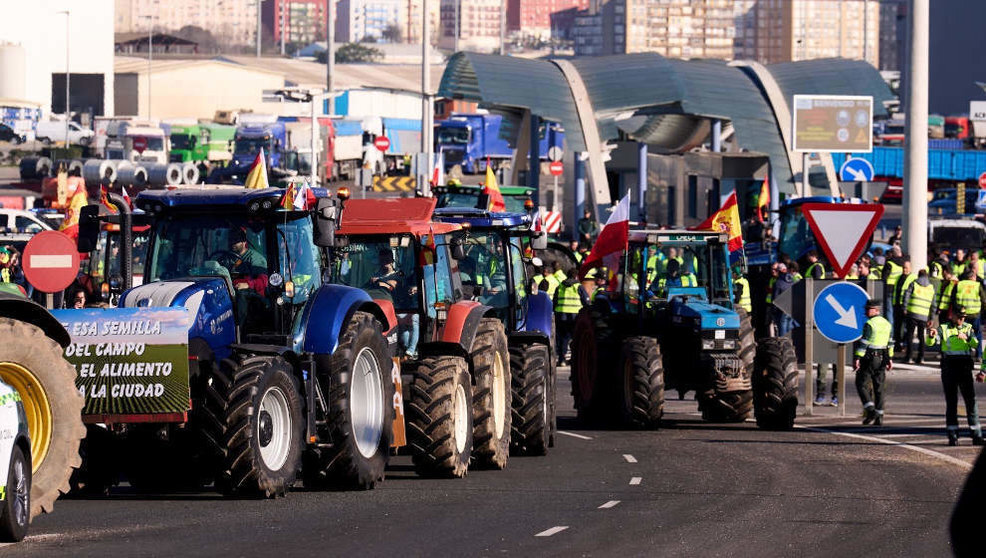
552,531
925,451
635,481
574,435
607,505
629,458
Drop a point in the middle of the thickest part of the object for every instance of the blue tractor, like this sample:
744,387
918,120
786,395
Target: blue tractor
667,320
506,242
283,373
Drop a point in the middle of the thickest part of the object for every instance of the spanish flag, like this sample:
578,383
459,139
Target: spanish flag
726,220
287,202
257,177
763,200
70,225
492,189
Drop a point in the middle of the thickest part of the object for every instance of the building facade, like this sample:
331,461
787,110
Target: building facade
358,20
765,30
299,21
232,22
533,18
470,24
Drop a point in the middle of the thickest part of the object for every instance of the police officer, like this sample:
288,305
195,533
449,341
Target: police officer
567,303
958,349
873,359
968,300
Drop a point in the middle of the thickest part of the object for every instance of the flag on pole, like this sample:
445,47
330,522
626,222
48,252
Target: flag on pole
612,239
126,196
287,201
105,200
438,175
492,189
763,201
304,198
726,220
257,177
70,225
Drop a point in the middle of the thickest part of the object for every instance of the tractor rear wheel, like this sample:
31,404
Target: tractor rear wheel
439,417
533,394
491,368
361,411
587,353
642,386
32,364
259,405
775,384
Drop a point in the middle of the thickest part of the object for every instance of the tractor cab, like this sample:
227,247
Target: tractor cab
265,255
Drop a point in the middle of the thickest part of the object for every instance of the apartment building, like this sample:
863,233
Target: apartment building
299,21
533,18
233,22
470,24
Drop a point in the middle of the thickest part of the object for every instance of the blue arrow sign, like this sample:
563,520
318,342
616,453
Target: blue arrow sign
856,170
840,312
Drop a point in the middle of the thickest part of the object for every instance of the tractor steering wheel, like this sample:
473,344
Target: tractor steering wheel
225,258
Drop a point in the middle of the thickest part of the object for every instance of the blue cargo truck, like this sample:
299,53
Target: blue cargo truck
470,139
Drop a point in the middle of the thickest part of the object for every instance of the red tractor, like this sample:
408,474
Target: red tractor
454,356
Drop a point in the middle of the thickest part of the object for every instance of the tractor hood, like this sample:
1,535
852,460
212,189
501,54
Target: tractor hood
705,315
207,300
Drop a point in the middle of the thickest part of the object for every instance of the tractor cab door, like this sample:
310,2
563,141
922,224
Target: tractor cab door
442,286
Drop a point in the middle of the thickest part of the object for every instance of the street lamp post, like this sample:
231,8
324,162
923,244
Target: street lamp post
67,75
150,58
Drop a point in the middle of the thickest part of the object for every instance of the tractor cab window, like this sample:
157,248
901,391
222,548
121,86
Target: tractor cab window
385,267
518,273
651,270
299,260
231,247
483,272
796,238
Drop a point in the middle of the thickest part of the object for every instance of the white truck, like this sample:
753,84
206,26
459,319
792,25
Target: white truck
137,142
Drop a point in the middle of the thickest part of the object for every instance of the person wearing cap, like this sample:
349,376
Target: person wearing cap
958,351
919,301
873,358
968,300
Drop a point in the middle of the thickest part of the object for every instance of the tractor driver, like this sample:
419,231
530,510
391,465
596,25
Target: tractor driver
387,277
250,267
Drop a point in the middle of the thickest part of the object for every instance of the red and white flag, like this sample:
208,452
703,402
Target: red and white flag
126,196
612,239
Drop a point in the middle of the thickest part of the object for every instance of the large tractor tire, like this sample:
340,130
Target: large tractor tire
257,403
587,354
33,364
734,406
642,388
533,393
775,384
439,417
491,369
361,411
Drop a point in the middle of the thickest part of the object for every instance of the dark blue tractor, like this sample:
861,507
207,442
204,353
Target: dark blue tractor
503,244
667,320
287,374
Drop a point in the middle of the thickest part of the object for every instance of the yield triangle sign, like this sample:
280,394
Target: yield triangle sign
842,230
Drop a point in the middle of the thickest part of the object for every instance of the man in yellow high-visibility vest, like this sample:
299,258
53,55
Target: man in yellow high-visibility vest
958,360
919,302
873,359
893,268
968,300
567,303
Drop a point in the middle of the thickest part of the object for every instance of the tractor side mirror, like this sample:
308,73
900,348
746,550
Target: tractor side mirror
328,214
457,249
88,229
539,241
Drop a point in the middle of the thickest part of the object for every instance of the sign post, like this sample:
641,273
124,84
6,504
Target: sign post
51,262
556,168
839,312
843,230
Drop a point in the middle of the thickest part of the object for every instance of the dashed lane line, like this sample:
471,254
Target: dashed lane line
553,531
925,451
629,458
610,504
574,435
634,481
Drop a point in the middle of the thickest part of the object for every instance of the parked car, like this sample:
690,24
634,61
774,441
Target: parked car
8,134
54,130
15,458
17,221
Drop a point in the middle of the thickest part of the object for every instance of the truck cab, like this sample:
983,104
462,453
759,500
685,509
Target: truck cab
138,144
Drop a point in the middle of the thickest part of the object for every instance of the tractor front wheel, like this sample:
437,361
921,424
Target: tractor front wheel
491,397
439,417
642,388
775,384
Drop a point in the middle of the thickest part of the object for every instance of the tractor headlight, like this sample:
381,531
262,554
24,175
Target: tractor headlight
729,344
708,344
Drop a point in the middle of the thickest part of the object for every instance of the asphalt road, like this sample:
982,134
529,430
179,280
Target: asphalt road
828,488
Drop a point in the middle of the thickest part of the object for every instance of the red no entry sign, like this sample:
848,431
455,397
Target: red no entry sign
51,261
140,144
382,143
556,168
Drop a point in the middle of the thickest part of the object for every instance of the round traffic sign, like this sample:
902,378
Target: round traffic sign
382,143
555,153
51,261
556,168
840,312
982,180
140,144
